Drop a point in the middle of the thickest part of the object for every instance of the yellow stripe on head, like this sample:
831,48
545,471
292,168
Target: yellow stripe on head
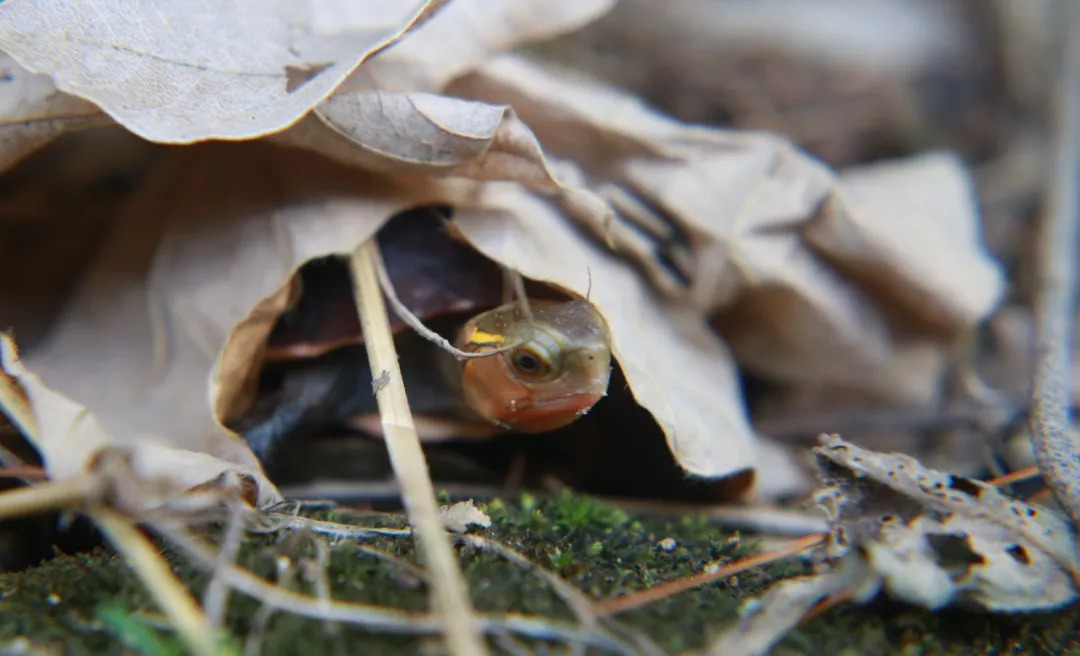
478,337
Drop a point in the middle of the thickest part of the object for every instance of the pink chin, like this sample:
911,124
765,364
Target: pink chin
549,415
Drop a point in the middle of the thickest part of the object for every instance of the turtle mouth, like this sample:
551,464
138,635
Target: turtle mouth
543,416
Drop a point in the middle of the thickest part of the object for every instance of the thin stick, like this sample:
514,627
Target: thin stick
1057,449
414,322
336,530
671,588
216,597
45,497
30,472
167,590
450,595
518,284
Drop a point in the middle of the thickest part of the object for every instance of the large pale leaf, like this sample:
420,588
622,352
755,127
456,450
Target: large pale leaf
668,371
163,339
464,35
439,135
33,112
214,233
183,72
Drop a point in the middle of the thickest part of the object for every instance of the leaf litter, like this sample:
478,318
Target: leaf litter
707,251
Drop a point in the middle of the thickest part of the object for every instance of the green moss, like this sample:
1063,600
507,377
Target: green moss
91,603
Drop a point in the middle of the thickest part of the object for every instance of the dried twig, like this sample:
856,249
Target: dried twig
752,518
414,322
168,591
216,597
29,472
449,590
1057,450
278,522
46,497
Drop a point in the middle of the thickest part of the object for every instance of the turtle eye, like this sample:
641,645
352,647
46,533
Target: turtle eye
529,362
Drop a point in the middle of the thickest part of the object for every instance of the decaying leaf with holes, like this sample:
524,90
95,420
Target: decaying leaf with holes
922,536
934,539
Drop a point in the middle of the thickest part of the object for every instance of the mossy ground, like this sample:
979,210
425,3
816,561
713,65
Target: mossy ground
91,603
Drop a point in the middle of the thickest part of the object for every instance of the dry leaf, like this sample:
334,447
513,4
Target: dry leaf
933,538
466,33
910,230
677,369
205,69
924,536
727,212
163,339
33,112
213,233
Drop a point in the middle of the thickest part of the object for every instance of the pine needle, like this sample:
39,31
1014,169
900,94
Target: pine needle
671,588
449,590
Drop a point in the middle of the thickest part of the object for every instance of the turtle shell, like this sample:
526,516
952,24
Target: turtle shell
316,373
433,274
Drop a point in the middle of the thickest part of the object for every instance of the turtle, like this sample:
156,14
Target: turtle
545,362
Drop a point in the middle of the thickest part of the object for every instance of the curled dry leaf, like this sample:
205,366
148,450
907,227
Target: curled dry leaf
675,373
466,33
206,69
933,538
33,112
203,252
162,341
426,133
910,230
241,73
720,218
677,369
926,537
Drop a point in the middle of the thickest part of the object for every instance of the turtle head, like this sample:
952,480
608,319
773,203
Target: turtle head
557,370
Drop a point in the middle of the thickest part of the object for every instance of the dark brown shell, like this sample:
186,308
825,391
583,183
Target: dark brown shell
433,274
315,371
